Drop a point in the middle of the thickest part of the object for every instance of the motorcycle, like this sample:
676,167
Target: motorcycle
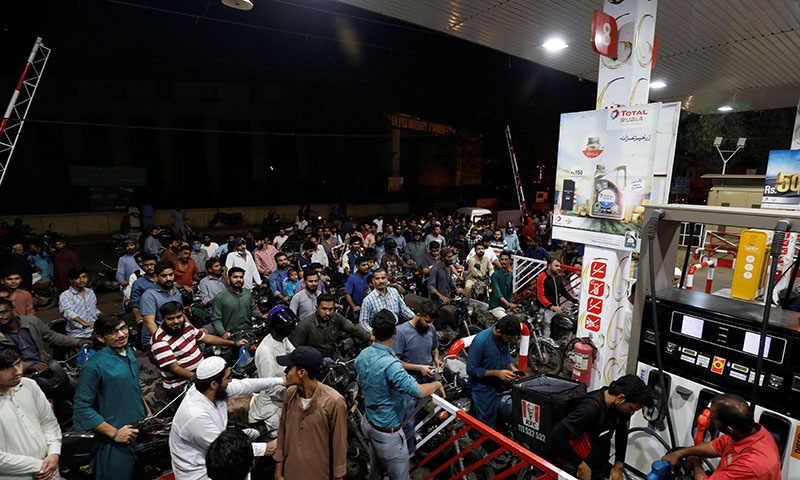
235,218
105,279
342,377
547,353
44,297
462,317
480,289
152,450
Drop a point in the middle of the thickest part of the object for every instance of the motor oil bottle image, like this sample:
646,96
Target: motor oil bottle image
607,194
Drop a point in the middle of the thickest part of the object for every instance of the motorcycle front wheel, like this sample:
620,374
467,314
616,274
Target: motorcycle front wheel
550,361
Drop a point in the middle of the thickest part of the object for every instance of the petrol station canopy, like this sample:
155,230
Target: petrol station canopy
745,54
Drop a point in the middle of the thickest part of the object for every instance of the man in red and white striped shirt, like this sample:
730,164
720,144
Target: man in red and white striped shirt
175,347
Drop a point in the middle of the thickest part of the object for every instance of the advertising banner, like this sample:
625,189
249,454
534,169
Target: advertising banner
603,303
782,182
605,175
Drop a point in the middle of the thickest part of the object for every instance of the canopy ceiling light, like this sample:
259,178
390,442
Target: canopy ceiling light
238,4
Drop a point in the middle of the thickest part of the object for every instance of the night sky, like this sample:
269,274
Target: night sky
330,73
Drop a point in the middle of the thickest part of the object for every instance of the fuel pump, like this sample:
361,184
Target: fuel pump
693,346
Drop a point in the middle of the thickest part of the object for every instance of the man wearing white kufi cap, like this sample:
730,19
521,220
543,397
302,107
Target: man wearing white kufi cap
203,415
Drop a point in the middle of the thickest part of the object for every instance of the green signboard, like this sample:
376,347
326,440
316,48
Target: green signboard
107,176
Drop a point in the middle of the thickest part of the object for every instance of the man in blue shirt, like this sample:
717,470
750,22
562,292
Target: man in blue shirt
40,263
126,265
277,278
154,298
356,288
491,369
387,389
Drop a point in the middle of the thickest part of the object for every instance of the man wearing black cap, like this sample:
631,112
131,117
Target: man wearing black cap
312,437
491,369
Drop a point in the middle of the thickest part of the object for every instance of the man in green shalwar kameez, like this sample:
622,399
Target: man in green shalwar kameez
109,400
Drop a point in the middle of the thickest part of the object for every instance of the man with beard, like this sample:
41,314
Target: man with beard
109,400
203,415
391,260
382,297
498,243
436,236
477,266
417,346
549,290
208,245
387,388
322,329
511,238
212,284
491,371
303,302
152,299
234,307
414,253
356,287
353,254
175,347
264,256
243,259
329,241
312,437
441,286
304,259
277,278
185,269
142,284
400,241
171,253
280,238
126,265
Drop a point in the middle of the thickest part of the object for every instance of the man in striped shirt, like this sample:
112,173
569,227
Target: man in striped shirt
175,347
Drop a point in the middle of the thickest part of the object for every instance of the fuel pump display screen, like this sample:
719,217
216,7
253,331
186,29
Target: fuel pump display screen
729,336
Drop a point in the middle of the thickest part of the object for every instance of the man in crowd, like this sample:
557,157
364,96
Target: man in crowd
278,277
321,330
22,299
40,262
503,287
387,390
746,449
417,346
511,238
203,415
109,400
126,265
142,284
213,283
171,253
199,256
303,302
382,297
31,435
243,259
354,253
185,269
209,245
304,259
491,370
175,347
536,251
582,439
312,437
126,290
356,287
329,241
414,253
436,236
230,456
391,260
478,266
441,286
63,260
152,244
234,306
78,305
266,406
153,298
17,261
549,290
280,238
264,256
498,243
400,241
318,269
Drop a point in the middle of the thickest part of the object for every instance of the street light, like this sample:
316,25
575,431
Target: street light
718,143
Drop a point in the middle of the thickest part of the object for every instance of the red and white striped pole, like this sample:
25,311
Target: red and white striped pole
20,83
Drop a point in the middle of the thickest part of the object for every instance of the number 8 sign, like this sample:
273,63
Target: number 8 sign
605,35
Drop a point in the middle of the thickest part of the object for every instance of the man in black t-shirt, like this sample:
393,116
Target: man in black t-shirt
582,439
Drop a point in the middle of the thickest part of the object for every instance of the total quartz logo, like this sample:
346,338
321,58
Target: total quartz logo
614,114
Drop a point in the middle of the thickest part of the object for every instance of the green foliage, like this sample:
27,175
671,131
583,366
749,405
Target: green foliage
765,130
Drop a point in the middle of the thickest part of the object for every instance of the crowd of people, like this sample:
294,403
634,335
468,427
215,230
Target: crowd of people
297,419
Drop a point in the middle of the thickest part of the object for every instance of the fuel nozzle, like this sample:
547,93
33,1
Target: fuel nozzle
703,422
658,470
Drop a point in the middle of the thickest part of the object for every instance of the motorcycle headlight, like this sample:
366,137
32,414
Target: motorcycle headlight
352,390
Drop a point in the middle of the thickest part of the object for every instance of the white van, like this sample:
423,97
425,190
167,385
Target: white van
474,214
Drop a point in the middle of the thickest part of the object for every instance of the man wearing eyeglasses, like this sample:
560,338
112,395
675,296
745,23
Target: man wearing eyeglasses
109,400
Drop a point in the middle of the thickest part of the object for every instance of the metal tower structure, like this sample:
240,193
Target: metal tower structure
21,99
523,206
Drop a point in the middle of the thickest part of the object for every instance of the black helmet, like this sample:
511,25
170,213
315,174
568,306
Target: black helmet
281,321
